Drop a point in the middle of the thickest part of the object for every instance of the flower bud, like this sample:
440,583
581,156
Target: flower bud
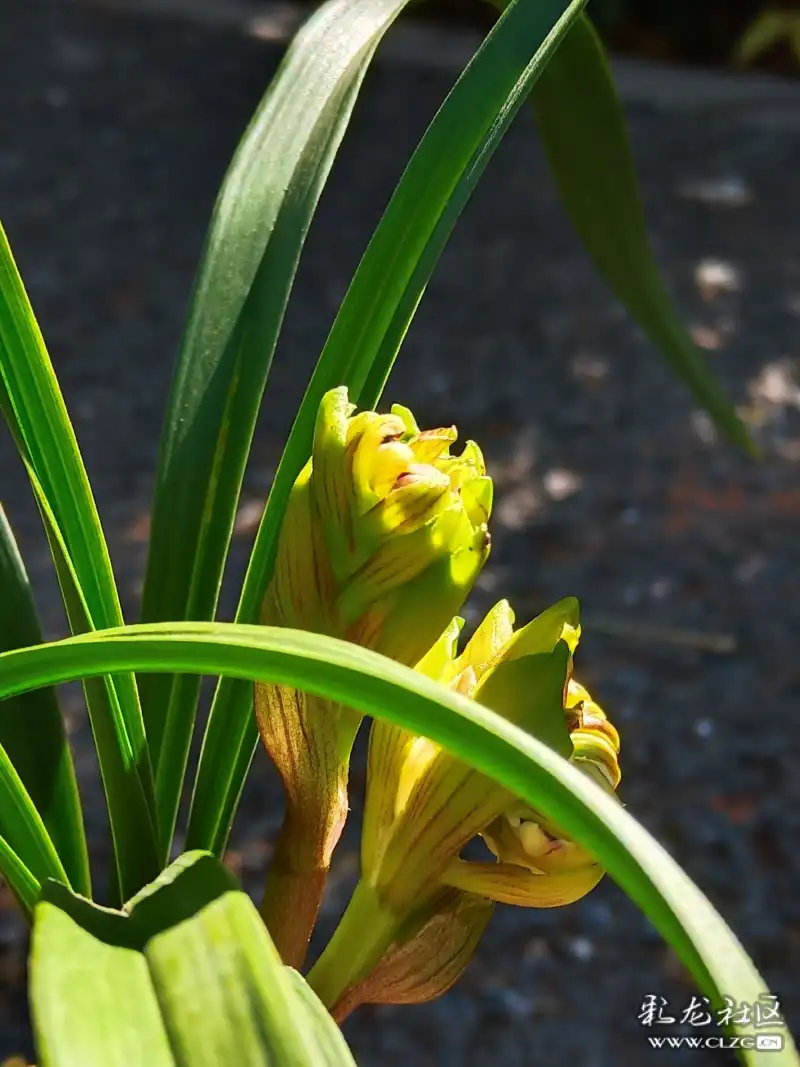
384,527
384,534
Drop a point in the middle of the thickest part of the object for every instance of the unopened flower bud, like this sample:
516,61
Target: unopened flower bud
384,534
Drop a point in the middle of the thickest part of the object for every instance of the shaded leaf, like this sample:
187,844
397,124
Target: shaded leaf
32,404
31,728
583,131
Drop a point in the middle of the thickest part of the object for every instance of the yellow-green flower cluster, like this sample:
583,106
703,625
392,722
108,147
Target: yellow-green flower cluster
384,536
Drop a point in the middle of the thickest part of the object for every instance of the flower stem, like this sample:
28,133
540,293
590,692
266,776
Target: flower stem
296,881
289,908
364,933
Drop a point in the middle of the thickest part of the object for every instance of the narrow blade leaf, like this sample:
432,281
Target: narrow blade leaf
582,126
130,813
371,324
22,828
19,879
376,686
38,418
32,404
32,729
259,225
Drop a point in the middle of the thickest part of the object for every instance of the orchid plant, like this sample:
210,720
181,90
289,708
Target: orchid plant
373,533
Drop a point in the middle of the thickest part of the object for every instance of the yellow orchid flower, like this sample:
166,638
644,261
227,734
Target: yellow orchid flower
384,534
423,805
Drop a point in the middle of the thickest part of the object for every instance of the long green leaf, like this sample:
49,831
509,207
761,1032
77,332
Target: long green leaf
132,830
129,803
32,404
186,976
19,879
41,422
372,323
582,127
32,729
258,229
22,827
228,749
386,690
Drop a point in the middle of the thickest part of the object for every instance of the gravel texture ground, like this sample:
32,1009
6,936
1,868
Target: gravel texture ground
114,134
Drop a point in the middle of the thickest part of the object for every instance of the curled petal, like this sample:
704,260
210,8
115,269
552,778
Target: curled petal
439,662
421,494
593,720
470,463
594,752
407,418
477,497
489,639
430,445
509,884
595,739
558,622
380,457
331,479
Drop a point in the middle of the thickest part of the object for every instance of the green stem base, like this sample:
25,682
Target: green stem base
364,933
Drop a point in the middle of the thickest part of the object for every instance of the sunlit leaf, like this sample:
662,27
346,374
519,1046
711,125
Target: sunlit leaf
185,976
371,324
260,222
376,686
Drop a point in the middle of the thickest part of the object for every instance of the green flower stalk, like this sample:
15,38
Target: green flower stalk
384,534
423,805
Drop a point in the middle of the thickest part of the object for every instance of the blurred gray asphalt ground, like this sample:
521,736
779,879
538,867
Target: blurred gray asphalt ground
114,133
